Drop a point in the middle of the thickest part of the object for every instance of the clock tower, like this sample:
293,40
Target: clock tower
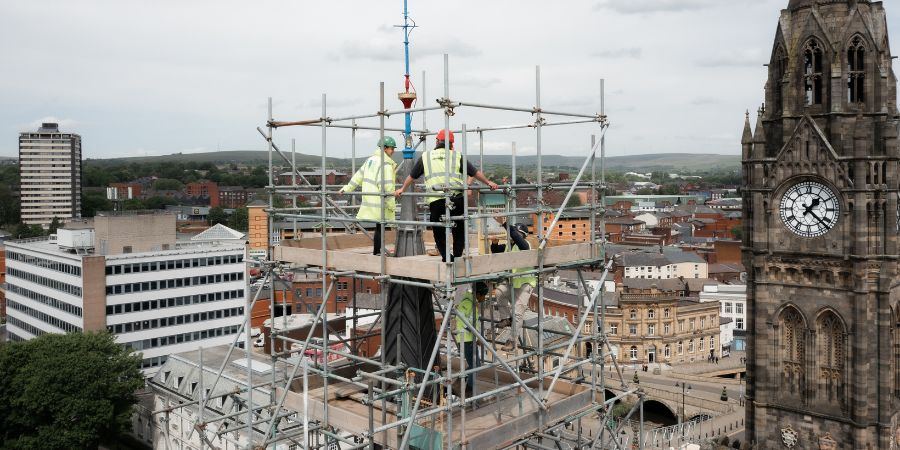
821,220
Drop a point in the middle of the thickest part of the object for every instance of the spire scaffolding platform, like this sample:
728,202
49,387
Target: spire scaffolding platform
539,394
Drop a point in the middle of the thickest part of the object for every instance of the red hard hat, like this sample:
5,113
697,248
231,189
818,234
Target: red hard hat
441,136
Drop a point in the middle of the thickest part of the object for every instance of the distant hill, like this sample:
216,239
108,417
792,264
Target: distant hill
643,163
222,157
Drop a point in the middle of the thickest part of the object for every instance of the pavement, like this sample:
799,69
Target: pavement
697,368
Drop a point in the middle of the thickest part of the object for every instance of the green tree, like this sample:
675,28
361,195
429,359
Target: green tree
239,220
63,391
574,201
54,225
158,202
216,216
23,231
167,184
9,205
92,202
669,189
738,232
644,191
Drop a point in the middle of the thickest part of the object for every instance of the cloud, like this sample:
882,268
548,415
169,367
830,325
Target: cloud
378,50
475,81
63,123
653,6
742,58
632,53
700,101
331,102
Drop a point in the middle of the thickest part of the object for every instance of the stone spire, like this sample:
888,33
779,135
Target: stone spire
747,139
759,136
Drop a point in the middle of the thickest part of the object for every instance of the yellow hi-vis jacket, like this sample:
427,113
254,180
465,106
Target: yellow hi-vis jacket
467,308
375,181
518,282
435,163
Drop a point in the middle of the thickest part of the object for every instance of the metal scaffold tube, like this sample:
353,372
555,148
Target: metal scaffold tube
405,405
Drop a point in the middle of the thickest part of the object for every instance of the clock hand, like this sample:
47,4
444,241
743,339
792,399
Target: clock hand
808,209
818,218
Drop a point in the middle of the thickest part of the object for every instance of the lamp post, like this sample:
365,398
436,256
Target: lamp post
685,388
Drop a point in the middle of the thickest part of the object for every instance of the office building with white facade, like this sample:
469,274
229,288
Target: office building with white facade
127,274
49,175
732,300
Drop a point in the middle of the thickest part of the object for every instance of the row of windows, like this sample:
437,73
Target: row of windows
43,317
651,328
153,362
738,308
667,349
174,320
195,299
45,263
13,337
25,326
49,301
53,284
173,264
181,338
148,286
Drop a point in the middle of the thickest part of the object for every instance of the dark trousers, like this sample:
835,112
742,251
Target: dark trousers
436,210
376,240
469,354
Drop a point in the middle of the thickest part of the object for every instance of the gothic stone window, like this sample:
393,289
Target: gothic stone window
895,337
813,79
779,67
856,71
792,349
831,344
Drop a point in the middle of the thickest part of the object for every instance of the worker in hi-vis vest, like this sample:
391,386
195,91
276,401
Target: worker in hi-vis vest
468,308
434,166
522,285
376,178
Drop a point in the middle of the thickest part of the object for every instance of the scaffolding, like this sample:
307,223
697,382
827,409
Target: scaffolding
519,399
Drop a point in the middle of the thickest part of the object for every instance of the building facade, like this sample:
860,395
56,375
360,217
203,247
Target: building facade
49,175
820,202
157,296
645,328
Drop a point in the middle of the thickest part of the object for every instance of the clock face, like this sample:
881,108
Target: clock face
809,209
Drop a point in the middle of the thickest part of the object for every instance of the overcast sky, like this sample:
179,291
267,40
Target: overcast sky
163,76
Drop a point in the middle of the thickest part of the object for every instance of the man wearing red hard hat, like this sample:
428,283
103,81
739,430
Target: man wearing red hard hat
443,169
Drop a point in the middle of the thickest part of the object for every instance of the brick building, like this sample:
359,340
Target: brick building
231,197
204,189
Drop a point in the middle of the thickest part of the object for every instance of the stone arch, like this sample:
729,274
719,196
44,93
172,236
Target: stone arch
661,408
831,357
779,70
856,64
814,68
791,356
895,349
